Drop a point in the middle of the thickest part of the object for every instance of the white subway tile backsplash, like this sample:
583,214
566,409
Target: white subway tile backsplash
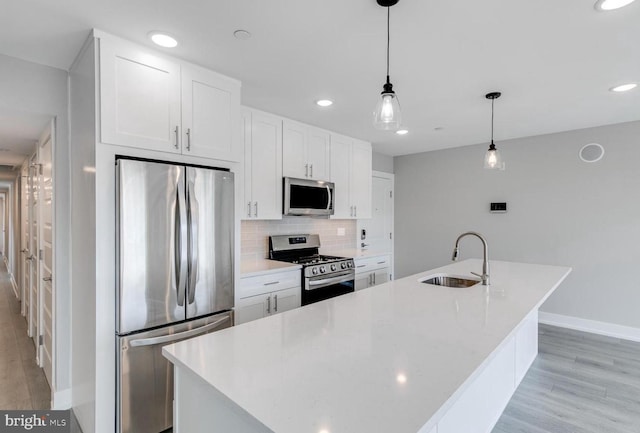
254,242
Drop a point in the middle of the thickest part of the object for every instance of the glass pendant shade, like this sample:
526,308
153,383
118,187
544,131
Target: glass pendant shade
387,115
492,159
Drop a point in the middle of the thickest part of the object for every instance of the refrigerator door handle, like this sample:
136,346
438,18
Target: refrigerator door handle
180,245
179,336
193,241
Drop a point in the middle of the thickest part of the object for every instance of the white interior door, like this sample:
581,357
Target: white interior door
379,228
45,262
24,240
34,293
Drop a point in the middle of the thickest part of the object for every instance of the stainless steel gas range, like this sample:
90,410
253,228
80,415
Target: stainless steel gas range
323,277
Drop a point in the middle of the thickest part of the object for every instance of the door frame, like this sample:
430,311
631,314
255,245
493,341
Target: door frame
390,177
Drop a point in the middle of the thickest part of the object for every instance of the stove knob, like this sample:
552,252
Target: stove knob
314,271
334,267
343,265
323,269
350,264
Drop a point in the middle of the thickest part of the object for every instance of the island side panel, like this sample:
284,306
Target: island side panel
200,408
526,345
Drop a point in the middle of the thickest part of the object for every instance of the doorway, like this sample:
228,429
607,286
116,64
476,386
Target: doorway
376,233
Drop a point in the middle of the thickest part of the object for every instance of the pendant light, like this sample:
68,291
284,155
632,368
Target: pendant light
387,115
492,159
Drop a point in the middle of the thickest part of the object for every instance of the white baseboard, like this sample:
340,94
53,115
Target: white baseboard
592,326
61,399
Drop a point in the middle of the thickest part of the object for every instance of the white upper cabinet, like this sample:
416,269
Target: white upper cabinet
263,165
361,178
152,102
352,176
305,151
140,98
210,114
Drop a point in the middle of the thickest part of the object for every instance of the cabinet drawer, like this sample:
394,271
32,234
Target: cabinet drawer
252,286
366,264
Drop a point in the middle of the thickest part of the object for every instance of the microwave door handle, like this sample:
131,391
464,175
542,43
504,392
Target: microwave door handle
193,241
328,197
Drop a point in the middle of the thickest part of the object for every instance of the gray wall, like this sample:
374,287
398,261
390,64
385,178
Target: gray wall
561,211
382,162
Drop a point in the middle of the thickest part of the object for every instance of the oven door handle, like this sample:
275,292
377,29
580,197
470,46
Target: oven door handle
316,284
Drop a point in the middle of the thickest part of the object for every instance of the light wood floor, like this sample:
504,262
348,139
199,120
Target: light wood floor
579,383
23,384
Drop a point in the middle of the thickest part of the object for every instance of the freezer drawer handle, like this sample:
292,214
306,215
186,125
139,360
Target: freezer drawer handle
179,336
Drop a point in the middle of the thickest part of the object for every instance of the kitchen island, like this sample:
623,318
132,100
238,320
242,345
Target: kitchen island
399,357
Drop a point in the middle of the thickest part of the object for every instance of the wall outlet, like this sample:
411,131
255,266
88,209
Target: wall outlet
341,231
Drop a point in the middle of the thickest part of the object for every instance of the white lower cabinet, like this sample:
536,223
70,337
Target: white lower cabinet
480,405
265,295
371,271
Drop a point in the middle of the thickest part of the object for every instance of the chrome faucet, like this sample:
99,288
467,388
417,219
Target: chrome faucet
485,262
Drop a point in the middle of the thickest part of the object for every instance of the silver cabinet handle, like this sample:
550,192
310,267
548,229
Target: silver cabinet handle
382,262
271,283
361,266
374,278
306,170
255,214
269,305
351,210
311,170
249,209
178,336
47,279
177,145
275,298
189,139
355,210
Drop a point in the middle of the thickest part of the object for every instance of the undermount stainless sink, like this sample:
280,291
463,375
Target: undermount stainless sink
450,281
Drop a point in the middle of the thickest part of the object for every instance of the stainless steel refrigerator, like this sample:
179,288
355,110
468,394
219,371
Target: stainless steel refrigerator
175,239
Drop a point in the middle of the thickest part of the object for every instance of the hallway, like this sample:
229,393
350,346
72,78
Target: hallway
23,384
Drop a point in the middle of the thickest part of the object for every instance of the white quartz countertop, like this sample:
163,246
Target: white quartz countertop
385,359
255,267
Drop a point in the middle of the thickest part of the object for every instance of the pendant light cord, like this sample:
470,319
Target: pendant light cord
492,101
388,40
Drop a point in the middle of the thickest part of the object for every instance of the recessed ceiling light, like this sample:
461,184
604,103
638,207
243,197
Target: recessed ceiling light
324,102
242,34
438,128
402,131
609,5
163,39
624,87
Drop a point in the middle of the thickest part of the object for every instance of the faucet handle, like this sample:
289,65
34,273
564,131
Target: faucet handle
477,274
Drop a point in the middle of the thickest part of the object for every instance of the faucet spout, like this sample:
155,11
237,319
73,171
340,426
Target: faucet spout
485,262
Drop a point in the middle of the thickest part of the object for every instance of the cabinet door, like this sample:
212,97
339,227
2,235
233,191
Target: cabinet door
252,308
381,276
363,280
285,300
318,150
266,166
210,115
140,98
248,177
340,176
294,150
361,179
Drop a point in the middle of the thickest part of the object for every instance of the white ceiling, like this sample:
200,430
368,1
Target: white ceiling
553,61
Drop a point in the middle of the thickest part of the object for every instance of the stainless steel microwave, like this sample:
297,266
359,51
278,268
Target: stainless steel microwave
307,197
